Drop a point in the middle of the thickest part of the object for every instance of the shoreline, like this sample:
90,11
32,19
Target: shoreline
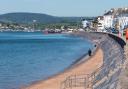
77,67
85,57
91,66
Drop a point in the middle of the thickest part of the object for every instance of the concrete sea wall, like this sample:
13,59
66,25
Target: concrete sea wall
107,76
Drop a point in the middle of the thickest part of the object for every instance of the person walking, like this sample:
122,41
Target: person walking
89,52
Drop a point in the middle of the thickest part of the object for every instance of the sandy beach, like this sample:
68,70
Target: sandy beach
86,67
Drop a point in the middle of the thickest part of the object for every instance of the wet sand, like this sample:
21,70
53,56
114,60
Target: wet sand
86,67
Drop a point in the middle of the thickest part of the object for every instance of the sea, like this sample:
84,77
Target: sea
26,57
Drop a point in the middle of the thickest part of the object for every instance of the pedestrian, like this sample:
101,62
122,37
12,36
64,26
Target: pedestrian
89,52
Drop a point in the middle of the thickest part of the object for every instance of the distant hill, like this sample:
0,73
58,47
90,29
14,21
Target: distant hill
40,18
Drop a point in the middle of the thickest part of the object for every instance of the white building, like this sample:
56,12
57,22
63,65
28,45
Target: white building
85,23
115,18
108,21
100,25
123,21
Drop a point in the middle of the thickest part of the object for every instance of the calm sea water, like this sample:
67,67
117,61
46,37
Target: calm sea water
28,57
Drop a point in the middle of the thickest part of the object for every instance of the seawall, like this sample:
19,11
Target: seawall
107,76
100,71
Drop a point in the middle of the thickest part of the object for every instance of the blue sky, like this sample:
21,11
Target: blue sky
61,7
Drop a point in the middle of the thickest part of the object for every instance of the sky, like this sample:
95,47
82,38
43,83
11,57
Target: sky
61,7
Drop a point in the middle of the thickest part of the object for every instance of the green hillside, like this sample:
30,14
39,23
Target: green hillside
39,18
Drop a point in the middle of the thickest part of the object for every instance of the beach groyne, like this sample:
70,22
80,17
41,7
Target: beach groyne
107,76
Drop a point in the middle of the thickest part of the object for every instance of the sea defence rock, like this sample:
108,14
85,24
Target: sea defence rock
107,76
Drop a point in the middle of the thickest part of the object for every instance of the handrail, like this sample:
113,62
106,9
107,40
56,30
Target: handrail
83,80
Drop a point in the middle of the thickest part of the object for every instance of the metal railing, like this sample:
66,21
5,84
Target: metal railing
84,80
